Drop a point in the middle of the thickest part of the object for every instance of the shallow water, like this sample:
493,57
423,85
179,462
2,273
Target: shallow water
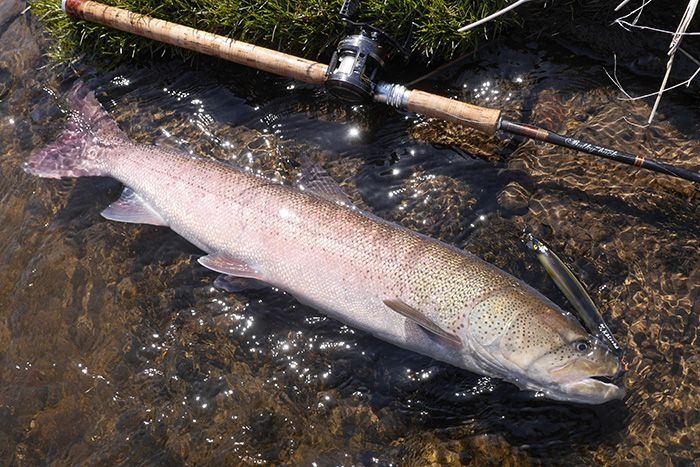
115,348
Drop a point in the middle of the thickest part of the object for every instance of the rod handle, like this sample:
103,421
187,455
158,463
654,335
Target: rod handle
479,118
199,41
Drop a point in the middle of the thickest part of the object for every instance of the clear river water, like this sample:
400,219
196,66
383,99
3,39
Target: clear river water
116,348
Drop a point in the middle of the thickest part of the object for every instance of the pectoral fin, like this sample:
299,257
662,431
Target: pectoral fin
226,264
130,207
423,321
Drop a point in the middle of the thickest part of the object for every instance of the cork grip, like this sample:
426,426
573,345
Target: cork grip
198,41
479,118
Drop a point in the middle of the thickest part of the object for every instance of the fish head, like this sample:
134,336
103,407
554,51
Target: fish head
531,342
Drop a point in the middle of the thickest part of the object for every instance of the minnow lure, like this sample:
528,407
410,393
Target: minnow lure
576,294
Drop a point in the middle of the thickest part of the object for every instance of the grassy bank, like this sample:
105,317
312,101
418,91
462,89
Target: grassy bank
308,28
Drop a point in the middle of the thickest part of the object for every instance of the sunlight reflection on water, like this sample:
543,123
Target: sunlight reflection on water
117,349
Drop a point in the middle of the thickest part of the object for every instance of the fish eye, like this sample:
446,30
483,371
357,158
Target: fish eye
582,345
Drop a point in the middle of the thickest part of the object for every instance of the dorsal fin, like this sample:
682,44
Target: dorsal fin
314,179
423,321
168,141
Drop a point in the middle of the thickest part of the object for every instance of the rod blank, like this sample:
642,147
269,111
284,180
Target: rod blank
540,134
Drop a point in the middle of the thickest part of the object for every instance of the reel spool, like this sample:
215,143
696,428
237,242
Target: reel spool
359,58
352,72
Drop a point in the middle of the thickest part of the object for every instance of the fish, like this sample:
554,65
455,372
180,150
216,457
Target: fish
309,240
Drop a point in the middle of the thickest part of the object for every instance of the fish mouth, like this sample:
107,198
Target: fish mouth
587,387
596,389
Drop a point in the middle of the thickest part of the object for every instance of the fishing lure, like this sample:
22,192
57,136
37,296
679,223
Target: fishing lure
576,294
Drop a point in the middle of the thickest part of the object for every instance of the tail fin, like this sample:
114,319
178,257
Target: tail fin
89,132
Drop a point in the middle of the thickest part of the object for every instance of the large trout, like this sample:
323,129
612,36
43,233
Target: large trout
403,287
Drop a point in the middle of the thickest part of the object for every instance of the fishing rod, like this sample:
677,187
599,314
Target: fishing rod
350,75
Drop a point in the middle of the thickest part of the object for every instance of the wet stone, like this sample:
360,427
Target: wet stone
514,197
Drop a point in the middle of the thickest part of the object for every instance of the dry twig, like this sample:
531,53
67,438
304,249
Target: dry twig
493,16
674,46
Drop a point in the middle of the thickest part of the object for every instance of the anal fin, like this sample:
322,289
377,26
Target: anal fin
130,207
227,264
423,321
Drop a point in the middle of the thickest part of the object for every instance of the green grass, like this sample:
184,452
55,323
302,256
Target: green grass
308,28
